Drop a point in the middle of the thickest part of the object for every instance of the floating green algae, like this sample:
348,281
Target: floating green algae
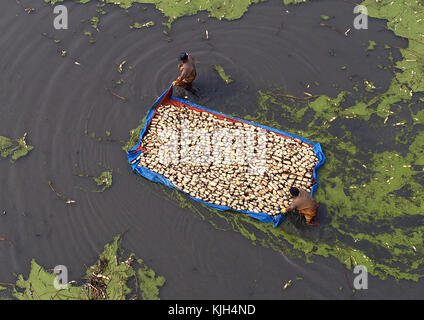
134,136
371,45
120,272
108,279
149,282
5,144
369,86
40,286
405,20
222,74
139,25
90,36
105,180
14,148
100,8
92,135
220,9
364,190
287,2
115,275
94,21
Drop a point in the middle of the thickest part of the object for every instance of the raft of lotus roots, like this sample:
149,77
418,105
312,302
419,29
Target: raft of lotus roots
226,162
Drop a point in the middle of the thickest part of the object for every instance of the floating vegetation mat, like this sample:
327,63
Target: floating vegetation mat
139,25
111,278
221,72
104,180
221,9
14,148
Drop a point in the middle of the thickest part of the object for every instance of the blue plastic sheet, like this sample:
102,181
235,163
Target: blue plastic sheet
155,177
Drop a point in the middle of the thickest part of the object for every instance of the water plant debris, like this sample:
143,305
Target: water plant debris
105,180
60,196
108,279
14,148
220,70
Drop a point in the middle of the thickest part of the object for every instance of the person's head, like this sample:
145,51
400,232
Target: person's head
183,57
294,191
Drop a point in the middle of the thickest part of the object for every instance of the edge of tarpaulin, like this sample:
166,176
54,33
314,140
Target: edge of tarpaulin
155,177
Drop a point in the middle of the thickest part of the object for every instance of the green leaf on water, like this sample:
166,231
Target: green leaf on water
222,74
105,180
14,148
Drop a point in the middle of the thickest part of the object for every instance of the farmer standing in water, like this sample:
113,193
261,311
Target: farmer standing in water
304,204
188,71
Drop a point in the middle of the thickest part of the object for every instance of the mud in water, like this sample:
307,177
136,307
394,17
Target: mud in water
67,88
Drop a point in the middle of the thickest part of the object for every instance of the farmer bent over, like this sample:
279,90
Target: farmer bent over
304,204
188,71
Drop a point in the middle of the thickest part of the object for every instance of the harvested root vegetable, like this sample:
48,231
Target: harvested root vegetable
226,162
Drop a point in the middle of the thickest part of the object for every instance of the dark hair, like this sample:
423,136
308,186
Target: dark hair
183,56
294,191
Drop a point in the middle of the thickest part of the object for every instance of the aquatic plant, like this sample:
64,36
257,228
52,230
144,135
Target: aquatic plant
105,180
134,136
220,9
108,279
94,21
371,45
14,148
90,36
222,74
139,25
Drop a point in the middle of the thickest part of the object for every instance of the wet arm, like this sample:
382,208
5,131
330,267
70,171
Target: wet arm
291,207
180,77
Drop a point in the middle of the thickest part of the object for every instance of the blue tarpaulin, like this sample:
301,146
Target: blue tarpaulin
167,98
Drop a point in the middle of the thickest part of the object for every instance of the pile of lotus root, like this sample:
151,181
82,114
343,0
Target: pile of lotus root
225,161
